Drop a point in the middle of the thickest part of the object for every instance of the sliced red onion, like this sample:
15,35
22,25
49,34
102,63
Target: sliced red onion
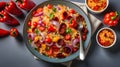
33,45
43,37
59,46
74,42
31,35
49,44
58,8
67,49
38,14
56,24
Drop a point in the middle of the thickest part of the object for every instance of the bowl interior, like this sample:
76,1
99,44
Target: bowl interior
113,34
56,2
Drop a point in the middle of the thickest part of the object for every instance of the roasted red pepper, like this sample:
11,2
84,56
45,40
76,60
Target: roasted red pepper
4,32
2,5
7,19
12,8
26,4
14,32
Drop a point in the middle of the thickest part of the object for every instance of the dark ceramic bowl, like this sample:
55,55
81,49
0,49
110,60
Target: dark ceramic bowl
56,2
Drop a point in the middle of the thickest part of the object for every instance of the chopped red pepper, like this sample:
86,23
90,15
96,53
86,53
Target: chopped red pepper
49,6
51,28
48,40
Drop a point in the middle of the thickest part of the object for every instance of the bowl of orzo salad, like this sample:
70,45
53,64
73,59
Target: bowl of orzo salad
51,31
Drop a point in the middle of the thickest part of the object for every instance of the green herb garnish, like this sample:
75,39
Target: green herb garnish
71,21
36,31
51,16
54,9
68,30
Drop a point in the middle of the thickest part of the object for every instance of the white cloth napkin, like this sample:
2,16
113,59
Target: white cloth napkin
94,24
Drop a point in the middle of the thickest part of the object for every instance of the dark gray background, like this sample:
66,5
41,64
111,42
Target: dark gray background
13,52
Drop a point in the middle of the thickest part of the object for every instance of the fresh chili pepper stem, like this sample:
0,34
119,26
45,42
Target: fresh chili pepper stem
114,17
7,4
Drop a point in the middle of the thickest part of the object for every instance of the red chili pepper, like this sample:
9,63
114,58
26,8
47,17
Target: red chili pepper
7,19
25,4
4,32
14,32
2,5
13,9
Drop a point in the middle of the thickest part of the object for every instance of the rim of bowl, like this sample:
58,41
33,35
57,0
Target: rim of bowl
97,11
112,32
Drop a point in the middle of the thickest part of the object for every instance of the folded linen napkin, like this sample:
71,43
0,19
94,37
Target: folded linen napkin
94,24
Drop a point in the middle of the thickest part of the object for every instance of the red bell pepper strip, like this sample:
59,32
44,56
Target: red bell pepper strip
7,19
4,32
25,4
14,32
13,9
2,5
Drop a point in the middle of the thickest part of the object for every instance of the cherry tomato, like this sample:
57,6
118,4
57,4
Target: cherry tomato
68,37
35,24
51,28
50,52
49,6
39,10
29,23
72,11
42,28
72,23
96,7
48,40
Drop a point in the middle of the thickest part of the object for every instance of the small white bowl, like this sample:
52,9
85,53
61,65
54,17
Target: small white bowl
113,34
96,12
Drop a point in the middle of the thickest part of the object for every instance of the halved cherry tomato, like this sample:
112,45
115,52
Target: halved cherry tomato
72,23
50,52
39,10
68,37
42,28
72,11
49,6
48,40
51,28
35,24
96,7
29,24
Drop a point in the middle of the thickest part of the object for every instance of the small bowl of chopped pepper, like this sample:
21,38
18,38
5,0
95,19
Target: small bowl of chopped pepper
97,6
106,37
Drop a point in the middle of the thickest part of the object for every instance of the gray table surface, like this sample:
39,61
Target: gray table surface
13,52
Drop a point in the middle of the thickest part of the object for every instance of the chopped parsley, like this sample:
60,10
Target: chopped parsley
68,30
51,16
